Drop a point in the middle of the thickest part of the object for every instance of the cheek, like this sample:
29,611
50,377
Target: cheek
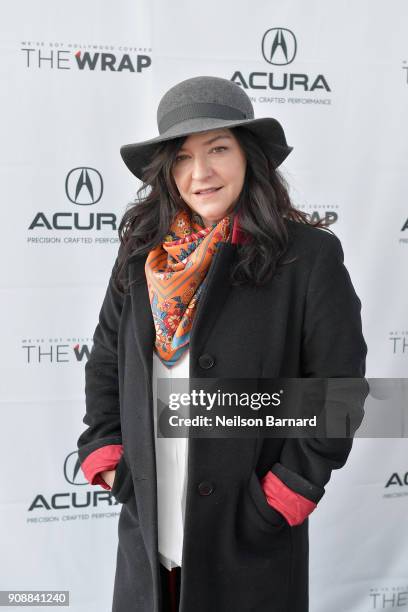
236,174
179,179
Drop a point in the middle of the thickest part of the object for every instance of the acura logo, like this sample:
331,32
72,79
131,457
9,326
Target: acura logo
72,470
279,46
84,186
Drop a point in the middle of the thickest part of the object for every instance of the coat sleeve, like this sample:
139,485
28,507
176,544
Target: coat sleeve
100,445
333,346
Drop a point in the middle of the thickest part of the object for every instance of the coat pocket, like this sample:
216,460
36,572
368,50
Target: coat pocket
122,487
263,536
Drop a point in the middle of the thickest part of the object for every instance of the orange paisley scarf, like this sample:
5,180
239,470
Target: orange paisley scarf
175,271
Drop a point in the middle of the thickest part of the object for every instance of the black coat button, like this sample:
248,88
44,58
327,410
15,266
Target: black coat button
206,361
205,487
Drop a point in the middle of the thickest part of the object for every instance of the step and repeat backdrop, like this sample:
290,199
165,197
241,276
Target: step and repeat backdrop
80,80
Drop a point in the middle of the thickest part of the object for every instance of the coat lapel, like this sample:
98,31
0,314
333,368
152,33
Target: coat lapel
213,296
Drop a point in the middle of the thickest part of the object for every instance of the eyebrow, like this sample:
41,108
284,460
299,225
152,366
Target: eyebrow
213,139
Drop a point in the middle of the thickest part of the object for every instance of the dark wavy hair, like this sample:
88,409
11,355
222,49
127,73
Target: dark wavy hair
264,204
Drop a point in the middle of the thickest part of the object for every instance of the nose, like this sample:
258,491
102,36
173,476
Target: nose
201,168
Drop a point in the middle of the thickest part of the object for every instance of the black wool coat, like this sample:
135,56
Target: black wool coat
239,554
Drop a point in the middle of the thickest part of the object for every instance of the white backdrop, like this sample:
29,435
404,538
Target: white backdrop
82,79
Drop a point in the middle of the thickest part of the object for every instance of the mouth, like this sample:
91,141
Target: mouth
207,192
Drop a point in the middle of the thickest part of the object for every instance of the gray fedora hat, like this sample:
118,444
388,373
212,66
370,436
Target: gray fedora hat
200,104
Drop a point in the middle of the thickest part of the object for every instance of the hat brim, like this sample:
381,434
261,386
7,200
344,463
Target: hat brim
138,155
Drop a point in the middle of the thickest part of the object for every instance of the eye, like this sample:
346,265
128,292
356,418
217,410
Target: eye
180,158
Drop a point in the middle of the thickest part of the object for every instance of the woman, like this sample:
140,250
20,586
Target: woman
217,276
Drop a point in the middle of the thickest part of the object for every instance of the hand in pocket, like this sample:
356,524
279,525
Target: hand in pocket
108,476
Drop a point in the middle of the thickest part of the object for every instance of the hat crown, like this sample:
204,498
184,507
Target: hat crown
203,96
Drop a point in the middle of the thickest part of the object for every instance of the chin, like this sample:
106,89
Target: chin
213,213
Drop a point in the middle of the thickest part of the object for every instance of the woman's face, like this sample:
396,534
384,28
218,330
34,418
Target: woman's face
212,159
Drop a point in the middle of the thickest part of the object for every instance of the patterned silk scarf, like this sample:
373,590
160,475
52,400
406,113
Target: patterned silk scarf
175,274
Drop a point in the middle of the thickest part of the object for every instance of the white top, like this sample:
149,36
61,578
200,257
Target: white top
171,466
